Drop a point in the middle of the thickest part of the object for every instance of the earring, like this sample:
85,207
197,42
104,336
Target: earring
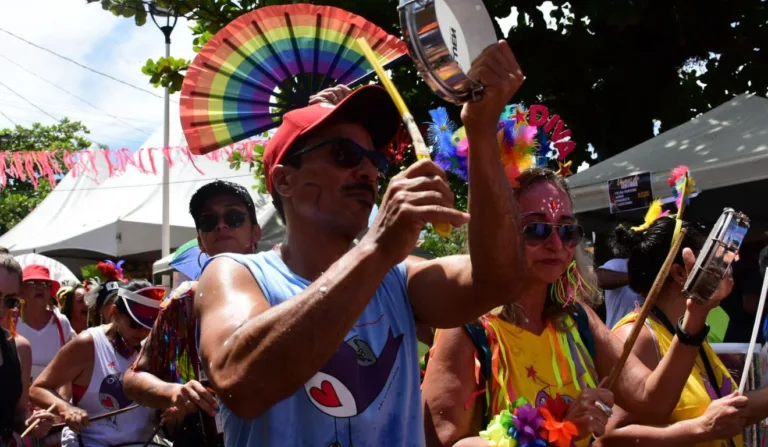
199,262
569,285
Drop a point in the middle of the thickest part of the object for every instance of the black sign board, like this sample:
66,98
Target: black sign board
630,193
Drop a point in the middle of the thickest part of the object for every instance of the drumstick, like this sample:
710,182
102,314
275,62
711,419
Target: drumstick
755,331
650,301
102,416
420,147
34,424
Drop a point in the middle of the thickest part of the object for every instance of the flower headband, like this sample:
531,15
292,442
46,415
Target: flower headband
527,138
683,186
100,281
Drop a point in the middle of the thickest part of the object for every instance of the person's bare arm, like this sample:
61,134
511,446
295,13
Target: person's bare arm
757,408
679,434
649,395
142,386
611,279
448,384
451,291
249,348
68,365
621,429
723,419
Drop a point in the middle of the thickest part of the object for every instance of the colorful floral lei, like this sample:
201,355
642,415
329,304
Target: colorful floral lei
524,425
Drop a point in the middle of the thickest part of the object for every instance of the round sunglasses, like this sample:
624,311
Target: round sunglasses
537,232
34,284
347,154
209,222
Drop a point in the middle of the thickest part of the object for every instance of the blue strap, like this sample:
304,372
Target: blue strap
480,339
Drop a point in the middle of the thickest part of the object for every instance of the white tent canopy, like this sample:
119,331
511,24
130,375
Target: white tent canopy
59,272
122,216
724,147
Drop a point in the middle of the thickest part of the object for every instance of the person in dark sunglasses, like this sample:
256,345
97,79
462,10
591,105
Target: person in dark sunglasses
15,363
93,365
322,330
225,216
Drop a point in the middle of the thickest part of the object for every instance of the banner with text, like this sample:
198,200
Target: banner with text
630,193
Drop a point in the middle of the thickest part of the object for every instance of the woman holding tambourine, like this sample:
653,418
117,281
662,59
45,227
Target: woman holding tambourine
709,413
529,374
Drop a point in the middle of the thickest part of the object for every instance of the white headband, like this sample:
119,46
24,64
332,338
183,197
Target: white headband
135,297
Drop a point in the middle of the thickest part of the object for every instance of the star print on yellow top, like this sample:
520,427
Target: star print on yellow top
698,392
537,367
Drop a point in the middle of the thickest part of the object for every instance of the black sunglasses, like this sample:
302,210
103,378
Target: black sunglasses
11,303
209,222
347,154
538,232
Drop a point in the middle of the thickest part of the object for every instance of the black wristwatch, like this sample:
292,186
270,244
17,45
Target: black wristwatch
688,339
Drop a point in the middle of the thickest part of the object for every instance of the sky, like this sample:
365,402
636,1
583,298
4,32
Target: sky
95,38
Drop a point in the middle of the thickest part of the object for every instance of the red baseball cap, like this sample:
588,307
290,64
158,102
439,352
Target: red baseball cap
369,106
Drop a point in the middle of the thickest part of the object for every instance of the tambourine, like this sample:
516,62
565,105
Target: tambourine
716,257
444,38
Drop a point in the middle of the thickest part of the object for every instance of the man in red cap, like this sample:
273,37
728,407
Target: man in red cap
46,329
314,343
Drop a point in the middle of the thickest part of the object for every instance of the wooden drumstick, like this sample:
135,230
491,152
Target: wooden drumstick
103,416
650,301
420,147
34,424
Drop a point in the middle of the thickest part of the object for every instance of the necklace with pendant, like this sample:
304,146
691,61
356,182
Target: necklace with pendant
120,345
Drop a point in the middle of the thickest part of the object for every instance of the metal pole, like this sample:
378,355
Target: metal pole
166,234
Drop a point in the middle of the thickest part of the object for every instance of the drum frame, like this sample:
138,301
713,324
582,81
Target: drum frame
714,262
431,54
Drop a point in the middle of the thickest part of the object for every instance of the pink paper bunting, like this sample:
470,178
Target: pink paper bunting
32,166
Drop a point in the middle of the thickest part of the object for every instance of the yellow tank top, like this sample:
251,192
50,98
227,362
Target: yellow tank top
536,367
698,392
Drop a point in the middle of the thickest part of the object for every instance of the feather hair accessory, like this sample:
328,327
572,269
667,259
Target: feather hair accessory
523,140
682,187
680,178
655,211
449,145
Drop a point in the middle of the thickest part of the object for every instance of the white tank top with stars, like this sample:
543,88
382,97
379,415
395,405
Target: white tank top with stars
104,395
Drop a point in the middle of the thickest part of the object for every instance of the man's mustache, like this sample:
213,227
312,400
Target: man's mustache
361,186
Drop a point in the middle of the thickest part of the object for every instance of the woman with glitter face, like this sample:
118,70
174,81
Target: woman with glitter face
529,373
94,364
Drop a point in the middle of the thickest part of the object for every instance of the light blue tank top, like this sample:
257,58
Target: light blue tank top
367,395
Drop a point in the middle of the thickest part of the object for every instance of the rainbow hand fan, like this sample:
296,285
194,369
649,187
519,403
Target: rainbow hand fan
270,61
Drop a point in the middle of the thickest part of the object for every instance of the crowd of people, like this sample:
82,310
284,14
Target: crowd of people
315,342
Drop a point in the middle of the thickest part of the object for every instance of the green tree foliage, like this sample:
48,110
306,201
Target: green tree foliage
19,198
609,68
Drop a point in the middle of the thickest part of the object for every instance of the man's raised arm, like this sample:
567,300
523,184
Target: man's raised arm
451,291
